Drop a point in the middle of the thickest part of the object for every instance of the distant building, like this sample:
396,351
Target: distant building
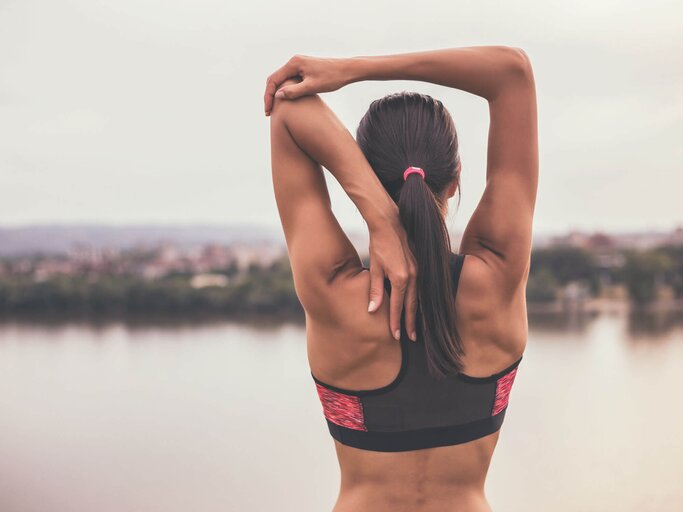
263,253
605,243
205,280
155,261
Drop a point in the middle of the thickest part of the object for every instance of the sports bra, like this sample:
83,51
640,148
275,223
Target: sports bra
416,410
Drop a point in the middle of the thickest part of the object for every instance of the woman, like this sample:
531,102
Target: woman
415,422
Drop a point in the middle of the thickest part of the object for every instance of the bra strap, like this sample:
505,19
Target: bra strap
457,261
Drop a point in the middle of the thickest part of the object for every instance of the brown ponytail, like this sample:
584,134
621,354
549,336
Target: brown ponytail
411,129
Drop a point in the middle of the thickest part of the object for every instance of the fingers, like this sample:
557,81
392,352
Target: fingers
411,305
398,291
291,92
289,70
271,87
376,287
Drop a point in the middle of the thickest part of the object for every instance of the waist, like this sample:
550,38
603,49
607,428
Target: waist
443,474
420,496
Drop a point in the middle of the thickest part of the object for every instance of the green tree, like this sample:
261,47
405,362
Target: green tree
542,286
565,263
643,270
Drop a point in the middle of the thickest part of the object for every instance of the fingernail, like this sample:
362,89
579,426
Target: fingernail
413,336
280,94
371,306
397,334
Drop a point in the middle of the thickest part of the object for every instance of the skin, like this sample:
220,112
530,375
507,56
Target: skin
390,254
347,346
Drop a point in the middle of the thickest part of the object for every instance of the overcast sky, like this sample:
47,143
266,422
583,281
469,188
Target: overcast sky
137,111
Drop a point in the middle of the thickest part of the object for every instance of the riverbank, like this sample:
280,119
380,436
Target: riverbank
603,305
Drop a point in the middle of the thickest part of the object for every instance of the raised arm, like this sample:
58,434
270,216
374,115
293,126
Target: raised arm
499,232
306,136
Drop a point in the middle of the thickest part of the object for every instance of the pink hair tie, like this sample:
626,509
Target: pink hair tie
411,170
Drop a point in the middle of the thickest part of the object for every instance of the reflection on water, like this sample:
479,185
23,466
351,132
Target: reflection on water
157,321
569,321
217,416
654,325
645,325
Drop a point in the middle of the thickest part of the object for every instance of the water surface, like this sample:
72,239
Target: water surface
224,417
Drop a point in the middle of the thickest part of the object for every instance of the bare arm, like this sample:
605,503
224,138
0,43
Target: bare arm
499,232
306,135
482,70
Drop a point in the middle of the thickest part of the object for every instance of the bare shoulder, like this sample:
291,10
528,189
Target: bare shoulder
351,348
345,303
486,312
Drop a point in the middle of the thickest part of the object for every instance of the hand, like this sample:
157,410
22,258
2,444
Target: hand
316,75
390,255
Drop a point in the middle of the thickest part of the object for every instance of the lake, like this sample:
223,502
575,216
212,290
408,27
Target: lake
225,417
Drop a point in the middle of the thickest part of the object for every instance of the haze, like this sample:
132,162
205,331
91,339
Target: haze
139,111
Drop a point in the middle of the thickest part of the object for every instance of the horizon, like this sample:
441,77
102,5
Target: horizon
276,228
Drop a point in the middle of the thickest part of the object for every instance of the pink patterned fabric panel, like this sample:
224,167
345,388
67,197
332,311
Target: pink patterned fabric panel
344,410
503,387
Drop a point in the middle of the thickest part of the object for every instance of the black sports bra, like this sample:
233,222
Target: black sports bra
416,410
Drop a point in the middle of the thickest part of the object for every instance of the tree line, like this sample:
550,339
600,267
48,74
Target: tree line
269,289
643,273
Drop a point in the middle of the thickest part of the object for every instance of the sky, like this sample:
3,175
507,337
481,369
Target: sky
150,111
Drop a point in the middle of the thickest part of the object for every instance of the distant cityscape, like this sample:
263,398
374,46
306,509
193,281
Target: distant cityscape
238,270
147,263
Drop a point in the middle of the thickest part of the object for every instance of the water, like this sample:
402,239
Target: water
224,417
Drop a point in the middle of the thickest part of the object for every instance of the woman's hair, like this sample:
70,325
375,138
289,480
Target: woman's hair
411,129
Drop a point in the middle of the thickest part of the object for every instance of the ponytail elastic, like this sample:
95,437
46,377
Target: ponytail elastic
411,170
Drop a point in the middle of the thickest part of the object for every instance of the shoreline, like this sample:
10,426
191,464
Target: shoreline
600,305
537,313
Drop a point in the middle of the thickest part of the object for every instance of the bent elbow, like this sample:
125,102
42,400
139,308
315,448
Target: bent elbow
520,63
283,105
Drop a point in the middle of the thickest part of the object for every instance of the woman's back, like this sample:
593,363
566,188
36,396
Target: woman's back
435,479
390,474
